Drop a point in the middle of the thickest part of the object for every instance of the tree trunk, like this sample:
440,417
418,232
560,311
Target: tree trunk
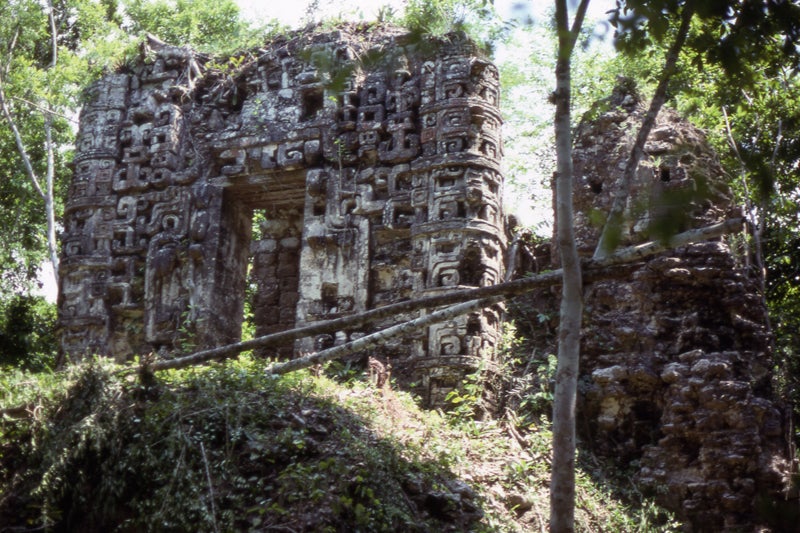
595,269
562,480
47,193
381,337
616,215
49,197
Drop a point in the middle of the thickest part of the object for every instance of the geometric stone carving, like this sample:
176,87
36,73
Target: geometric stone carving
370,183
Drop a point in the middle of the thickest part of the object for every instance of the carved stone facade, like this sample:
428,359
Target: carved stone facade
371,181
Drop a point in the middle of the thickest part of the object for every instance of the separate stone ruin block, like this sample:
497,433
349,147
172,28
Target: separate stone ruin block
676,385
676,356
322,184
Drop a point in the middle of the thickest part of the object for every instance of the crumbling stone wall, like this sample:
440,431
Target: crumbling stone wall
676,351
376,181
370,163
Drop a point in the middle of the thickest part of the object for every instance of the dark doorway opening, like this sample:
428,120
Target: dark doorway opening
275,205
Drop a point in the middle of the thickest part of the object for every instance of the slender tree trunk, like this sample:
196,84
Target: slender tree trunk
23,151
49,197
46,193
562,481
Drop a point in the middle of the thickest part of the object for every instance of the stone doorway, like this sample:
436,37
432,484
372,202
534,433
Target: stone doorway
268,279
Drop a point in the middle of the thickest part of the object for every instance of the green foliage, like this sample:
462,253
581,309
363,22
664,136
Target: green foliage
231,448
764,121
38,85
464,402
27,333
598,479
214,26
344,372
23,243
527,74
437,18
730,34
538,400
226,448
530,382
23,387
670,215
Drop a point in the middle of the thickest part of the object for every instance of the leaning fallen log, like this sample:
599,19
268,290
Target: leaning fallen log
593,269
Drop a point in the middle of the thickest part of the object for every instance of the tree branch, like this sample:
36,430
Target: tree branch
51,17
354,322
617,212
383,336
577,22
648,249
747,197
23,151
595,269
569,36
45,109
10,51
47,193
49,199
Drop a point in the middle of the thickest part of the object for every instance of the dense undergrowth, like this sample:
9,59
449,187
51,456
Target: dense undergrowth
230,448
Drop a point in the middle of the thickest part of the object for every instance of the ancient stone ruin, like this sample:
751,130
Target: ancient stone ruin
325,174
331,173
676,376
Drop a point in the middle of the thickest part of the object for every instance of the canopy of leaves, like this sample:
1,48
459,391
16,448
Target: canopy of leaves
214,26
477,18
729,33
31,88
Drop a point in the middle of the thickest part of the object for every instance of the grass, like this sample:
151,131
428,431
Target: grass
230,448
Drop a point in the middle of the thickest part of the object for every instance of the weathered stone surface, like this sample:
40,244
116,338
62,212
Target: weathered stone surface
386,186
676,354
678,185
376,181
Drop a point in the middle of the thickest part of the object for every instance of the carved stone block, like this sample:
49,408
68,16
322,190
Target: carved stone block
351,181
